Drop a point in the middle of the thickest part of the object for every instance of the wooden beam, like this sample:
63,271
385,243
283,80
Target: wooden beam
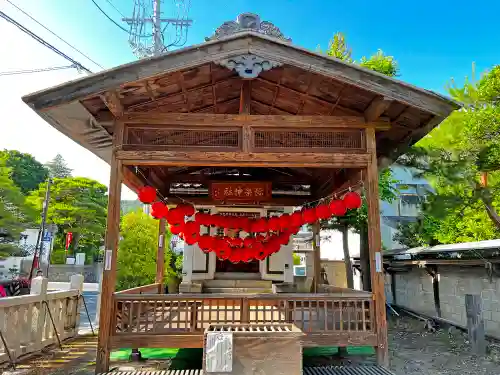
207,201
160,255
175,178
107,308
377,108
239,159
245,108
375,251
208,119
112,101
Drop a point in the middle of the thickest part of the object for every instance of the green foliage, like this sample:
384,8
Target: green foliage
15,215
58,167
25,171
339,49
296,259
423,232
456,155
137,251
381,63
77,205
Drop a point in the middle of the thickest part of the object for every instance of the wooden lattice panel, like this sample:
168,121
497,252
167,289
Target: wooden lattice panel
307,140
166,138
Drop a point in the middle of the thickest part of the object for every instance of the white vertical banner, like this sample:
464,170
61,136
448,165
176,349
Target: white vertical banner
378,262
107,259
219,352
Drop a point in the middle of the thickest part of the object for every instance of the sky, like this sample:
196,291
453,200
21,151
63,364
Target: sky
432,40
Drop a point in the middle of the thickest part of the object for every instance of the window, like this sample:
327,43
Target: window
409,205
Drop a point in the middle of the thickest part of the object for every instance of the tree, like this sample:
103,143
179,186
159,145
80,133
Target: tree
357,220
338,48
138,249
58,167
15,215
381,63
77,205
461,159
25,171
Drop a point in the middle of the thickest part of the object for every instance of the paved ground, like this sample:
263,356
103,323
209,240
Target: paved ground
91,301
413,351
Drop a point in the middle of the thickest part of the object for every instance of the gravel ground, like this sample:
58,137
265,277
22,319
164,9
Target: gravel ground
415,351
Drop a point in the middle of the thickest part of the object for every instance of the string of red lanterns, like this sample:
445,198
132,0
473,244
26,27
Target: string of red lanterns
265,236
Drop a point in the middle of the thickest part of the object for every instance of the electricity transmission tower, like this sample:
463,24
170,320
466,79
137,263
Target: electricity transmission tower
150,34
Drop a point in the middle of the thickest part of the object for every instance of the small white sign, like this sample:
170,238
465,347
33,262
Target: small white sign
107,259
219,352
378,261
318,240
160,241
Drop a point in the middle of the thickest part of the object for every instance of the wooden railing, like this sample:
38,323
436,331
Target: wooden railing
32,322
349,316
144,289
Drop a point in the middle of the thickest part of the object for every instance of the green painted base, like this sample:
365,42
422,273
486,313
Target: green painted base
192,358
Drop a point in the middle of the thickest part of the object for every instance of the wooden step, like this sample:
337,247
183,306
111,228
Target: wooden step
237,290
264,284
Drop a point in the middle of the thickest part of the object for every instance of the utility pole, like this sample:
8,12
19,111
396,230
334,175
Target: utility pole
139,43
158,43
41,231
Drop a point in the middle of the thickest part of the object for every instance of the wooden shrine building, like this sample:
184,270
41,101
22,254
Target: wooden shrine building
247,107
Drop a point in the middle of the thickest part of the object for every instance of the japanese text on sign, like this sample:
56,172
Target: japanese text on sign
245,191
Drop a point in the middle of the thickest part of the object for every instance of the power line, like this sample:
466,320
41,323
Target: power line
115,8
28,71
53,33
43,42
117,24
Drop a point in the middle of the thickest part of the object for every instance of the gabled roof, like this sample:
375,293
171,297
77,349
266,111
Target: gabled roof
200,79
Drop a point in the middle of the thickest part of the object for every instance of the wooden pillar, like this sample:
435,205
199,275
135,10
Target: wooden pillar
375,248
160,256
108,280
317,256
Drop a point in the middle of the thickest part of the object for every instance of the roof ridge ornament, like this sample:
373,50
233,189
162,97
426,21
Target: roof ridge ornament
248,22
248,65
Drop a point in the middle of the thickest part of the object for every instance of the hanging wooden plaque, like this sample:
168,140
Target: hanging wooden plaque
243,192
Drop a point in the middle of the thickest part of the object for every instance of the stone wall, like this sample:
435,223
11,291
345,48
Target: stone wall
63,272
414,291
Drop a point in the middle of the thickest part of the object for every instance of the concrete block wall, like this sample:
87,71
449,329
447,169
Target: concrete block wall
414,290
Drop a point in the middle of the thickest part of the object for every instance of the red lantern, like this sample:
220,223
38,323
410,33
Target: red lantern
205,243
147,194
309,215
174,216
224,252
260,226
337,207
158,210
202,218
244,224
235,257
352,200
283,238
296,219
246,254
274,245
323,211
192,227
274,224
285,221
176,228
248,242
237,242
186,209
